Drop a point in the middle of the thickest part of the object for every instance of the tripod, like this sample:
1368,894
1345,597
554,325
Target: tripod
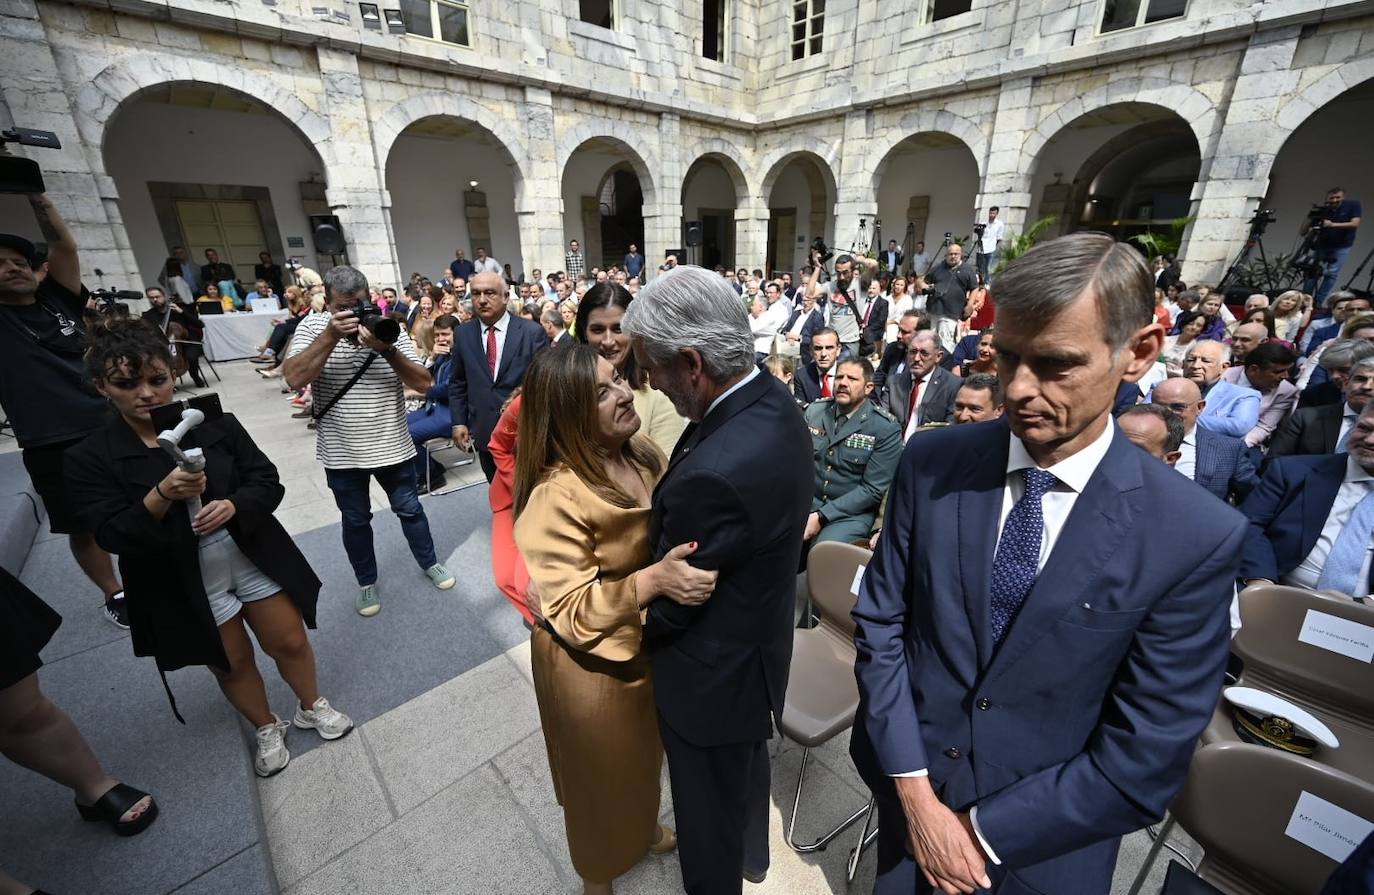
1262,219
1368,283
860,245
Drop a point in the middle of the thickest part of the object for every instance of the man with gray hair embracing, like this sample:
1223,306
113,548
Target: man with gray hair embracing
738,484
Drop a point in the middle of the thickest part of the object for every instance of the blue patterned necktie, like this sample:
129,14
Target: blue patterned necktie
1017,560
1341,572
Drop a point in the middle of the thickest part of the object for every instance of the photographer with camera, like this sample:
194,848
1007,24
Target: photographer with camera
43,386
989,236
1335,224
358,363
844,299
947,288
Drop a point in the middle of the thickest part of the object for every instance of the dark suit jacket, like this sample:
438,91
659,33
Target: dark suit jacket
1079,728
1287,512
1223,465
739,484
937,398
814,321
1310,430
1317,394
872,333
891,260
475,399
893,360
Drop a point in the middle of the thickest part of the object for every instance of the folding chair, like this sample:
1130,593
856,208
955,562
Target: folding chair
822,695
434,446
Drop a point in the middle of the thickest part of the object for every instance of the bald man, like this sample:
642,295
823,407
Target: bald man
1155,429
1231,409
1219,463
1246,338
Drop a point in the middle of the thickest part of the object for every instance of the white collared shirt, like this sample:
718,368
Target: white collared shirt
502,326
1354,487
1072,475
992,233
913,422
1187,455
753,371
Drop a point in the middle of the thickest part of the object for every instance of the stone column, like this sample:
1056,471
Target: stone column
1006,170
663,222
751,235
352,169
1230,188
858,200
74,175
538,195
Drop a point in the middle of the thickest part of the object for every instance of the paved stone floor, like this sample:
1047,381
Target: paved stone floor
448,791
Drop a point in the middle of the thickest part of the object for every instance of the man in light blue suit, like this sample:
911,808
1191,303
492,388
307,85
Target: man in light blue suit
1231,409
1032,679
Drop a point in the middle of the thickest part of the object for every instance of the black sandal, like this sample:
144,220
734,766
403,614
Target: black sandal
114,804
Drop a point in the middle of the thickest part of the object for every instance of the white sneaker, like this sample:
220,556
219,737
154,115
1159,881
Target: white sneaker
328,721
272,755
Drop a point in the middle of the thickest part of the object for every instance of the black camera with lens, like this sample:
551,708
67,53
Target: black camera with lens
978,230
385,328
823,252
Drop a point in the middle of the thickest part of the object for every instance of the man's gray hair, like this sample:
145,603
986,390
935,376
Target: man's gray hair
553,318
691,307
1225,349
1343,354
1041,284
1362,365
344,280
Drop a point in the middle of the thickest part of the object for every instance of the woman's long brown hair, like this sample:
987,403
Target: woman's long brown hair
558,425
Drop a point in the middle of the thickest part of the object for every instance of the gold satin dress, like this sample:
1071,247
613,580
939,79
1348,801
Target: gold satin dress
592,682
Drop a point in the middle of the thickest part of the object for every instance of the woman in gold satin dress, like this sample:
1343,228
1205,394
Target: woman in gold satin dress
582,490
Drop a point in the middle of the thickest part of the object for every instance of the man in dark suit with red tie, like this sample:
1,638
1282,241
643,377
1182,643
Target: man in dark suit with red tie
493,352
1032,678
739,484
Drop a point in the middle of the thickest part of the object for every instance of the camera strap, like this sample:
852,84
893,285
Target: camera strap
371,356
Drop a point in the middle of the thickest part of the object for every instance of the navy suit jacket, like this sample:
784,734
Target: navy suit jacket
1081,726
814,321
1223,465
1287,513
739,484
474,398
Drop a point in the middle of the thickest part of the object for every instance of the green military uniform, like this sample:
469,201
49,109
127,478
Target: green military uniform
855,461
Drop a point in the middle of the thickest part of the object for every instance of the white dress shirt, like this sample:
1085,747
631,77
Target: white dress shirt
753,371
1187,455
1072,475
502,326
913,422
992,233
1355,486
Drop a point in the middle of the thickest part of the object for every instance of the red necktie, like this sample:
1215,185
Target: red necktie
825,385
868,311
491,350
915,399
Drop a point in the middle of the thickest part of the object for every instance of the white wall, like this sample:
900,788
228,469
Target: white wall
791,190
948,175
707,187
176,144
426,177
1330,149
582,177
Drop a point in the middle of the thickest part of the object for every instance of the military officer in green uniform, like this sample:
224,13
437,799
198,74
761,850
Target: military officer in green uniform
857,447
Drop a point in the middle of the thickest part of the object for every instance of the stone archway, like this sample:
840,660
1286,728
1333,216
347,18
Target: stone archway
714,189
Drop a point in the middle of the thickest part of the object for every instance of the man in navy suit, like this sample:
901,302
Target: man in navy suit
816,379
1219,463
1033,680
494,351
802,325
1311,518
738,484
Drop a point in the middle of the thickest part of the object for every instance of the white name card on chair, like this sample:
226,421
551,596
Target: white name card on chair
1339,635
1327,827
858,580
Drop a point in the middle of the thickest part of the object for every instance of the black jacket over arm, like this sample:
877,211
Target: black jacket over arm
740,485
159,560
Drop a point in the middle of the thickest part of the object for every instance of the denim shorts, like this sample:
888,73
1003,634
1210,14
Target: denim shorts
230,578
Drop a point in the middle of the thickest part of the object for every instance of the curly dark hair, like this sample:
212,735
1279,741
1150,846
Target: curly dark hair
124,342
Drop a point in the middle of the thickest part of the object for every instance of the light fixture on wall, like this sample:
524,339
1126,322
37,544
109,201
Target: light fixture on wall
472,185
372,16
395,22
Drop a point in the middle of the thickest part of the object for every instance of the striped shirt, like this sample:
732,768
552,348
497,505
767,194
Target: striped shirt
367,428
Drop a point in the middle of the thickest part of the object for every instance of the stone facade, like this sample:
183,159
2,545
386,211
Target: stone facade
1003,79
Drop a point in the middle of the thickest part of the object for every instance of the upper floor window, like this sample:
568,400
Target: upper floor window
935,10
713,29
597,12
445,20
808,23
1119,14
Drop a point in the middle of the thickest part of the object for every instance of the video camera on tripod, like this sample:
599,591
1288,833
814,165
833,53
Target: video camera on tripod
22,175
